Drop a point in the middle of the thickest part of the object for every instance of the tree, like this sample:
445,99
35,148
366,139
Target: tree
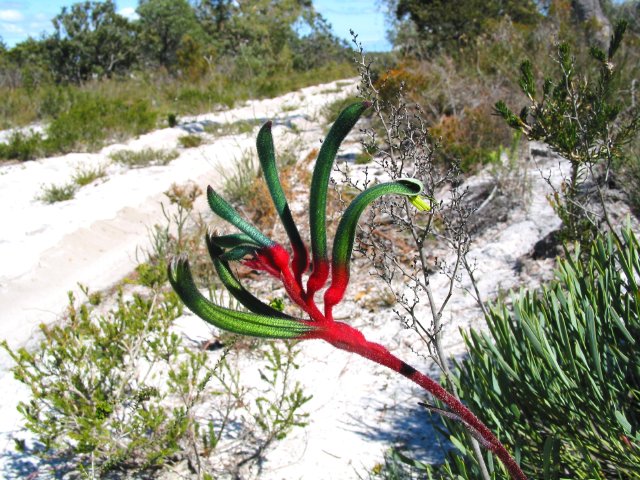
447,24
264,33
91,39
27,64
163,26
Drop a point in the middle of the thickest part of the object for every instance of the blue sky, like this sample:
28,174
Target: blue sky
20,19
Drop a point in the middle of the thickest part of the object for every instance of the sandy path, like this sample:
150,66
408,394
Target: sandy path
46,250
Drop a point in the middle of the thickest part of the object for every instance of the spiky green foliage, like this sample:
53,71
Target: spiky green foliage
91,399
558,372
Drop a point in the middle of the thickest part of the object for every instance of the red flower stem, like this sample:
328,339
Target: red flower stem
346,338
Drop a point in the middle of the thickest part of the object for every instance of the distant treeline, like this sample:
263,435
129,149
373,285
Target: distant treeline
188,39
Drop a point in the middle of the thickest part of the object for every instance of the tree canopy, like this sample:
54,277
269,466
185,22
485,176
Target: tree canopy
454,23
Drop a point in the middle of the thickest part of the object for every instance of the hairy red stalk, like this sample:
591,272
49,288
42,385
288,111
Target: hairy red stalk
347,338
276,258
300,263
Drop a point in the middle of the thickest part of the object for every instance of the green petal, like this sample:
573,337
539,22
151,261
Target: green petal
233,240
238,253
266,154
243,323
346,232
321,173
225,211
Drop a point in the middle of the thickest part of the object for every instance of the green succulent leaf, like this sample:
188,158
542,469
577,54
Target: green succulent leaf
243,323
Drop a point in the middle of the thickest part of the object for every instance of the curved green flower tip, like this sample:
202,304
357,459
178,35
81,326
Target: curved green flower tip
225,211
421,203
231,241
321,173
243,323
346,232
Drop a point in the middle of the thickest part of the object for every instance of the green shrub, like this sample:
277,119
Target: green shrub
190,141
21,146
558,373
583,113
93,120
239,182
53,193
144,157
94,396
85,175
233,128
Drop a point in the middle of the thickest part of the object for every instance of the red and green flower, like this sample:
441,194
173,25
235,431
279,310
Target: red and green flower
323,271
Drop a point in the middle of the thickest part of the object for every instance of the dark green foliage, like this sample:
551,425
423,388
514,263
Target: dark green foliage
558,373
581,114
448,25
21,146
57,193
190,141
143,158
163,26
91,39
92,120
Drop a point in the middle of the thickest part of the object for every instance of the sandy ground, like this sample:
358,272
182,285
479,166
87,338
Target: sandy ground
47,250
358,409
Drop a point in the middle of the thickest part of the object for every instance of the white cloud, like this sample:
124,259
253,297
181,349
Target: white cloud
128,12
11,16
10,28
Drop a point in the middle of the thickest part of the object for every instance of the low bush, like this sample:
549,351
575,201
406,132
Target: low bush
144,157
233,128
84,175
95,394
115,390
21,146
190,141
239,183
93,120
53,193
558,373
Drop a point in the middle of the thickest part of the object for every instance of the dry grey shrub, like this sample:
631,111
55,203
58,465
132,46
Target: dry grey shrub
397,240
